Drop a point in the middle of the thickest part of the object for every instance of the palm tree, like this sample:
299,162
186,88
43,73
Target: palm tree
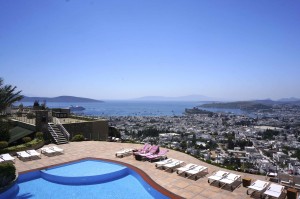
8,95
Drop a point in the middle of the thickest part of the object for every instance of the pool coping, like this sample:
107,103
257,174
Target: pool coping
144,176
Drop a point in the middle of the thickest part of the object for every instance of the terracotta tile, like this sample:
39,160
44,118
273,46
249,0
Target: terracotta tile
184,187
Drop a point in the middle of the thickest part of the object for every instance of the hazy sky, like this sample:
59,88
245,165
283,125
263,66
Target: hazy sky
232,49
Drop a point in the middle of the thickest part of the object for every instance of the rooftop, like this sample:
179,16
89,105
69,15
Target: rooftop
179,185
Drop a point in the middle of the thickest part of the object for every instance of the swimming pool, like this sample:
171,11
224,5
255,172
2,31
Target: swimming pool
88,178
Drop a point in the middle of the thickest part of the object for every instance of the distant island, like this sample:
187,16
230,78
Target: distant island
59,99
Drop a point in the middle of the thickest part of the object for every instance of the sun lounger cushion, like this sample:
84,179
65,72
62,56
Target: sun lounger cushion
258,185
274,190
196,170
230,178
7,157
163,162
186,167
57,149
47,150
23,154
33,153
218,175
173,164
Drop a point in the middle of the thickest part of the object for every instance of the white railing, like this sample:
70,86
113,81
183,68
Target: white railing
62,128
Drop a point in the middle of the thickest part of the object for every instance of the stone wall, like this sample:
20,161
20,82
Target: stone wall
92,130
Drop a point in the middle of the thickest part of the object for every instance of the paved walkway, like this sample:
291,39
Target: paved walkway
179,185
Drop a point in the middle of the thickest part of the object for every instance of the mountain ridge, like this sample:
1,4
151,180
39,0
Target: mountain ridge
63,98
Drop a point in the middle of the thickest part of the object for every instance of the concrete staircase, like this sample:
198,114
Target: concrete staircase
58,136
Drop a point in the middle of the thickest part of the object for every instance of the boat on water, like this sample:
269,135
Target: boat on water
76,108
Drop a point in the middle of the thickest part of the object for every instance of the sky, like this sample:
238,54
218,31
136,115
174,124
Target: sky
125,49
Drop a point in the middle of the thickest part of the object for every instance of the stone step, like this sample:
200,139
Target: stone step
56,134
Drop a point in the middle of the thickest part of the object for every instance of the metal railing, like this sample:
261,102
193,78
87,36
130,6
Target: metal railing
61,127
55,136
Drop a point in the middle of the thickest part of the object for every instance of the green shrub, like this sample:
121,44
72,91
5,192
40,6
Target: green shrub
26,139
22,147
78,138
39,135
28,144
7,173
3,144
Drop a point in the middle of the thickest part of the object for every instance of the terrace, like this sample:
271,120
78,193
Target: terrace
179,185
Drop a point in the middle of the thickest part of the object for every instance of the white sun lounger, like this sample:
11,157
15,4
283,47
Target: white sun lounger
163,162
185,168
7,157
217,175
47,151
257,186
172,165
123,152
56,149
23,155
274,190
230,179
195,171
33,153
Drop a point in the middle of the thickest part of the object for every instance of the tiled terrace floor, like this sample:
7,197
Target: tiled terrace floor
179,185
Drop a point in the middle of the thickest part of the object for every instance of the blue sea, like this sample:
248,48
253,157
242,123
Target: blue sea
126,108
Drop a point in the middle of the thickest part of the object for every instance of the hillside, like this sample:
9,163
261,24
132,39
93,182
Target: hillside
59,99
250,105
243,105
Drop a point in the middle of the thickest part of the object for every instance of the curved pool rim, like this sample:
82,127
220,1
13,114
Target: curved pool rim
141,173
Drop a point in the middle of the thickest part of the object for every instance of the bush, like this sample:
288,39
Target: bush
39,135
28,144
26,139
3,144
35,143
78,138
7,174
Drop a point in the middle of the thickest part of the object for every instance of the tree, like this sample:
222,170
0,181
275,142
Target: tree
36,105
194,139
8,95
183,145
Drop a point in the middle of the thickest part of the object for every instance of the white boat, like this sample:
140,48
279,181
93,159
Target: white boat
76,108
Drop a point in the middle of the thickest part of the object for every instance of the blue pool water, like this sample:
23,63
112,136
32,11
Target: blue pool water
83,179
85,168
